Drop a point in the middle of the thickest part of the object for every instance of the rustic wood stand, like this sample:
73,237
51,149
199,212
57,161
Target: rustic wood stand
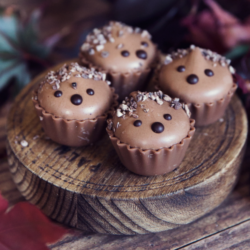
88,188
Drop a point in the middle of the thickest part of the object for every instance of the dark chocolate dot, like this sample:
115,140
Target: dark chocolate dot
192,79
125,53
181,68
58,93
76,99
167,117
74,85
141,54
208,72
144,44
90,92
157,127
137,123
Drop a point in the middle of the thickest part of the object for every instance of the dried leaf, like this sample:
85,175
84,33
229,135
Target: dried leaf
24,227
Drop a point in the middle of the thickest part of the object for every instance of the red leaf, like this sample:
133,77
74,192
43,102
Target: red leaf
216,28
25,227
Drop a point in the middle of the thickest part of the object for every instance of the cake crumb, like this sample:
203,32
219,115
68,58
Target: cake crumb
24,143
35,137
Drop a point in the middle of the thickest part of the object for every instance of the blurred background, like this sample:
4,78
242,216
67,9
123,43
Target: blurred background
35,34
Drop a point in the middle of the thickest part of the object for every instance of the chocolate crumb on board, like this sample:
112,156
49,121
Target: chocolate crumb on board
24,143
36,137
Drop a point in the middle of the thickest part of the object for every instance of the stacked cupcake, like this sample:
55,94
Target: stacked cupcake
150,131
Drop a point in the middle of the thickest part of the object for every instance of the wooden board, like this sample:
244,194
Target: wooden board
88,188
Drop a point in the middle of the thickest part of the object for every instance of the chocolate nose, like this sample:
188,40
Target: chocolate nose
192,79
76,99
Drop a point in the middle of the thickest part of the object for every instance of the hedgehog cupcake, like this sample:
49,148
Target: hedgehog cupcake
126,54
200,78
73,103
151,132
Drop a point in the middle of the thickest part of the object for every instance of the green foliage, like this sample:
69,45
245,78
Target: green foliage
238,51
18,43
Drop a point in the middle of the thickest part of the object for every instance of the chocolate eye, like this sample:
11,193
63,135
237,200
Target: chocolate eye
58,93
137,123
76,99
167,117
181,68
90,91
125,53
157,127
141,54
74,85
208,72
192,79
144,44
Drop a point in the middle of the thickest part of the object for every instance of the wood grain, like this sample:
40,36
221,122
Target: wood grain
89,189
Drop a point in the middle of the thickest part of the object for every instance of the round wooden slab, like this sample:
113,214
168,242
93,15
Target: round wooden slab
88,188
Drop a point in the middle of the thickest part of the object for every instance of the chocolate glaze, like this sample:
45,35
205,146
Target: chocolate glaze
76,103
204,89
155,131
128,49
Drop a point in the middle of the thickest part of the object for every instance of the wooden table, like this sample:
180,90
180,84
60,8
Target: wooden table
227,227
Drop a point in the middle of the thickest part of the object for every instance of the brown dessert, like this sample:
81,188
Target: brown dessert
73,104
202,79
126,54
151,132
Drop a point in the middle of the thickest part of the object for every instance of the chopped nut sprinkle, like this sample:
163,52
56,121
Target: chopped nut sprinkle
55,78
208,55
96,40
129,105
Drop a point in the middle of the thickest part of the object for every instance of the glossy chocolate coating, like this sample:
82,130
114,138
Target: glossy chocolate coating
89,107
129,51
171,132
207,89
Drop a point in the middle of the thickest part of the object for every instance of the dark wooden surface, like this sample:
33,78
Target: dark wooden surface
88,188
226,227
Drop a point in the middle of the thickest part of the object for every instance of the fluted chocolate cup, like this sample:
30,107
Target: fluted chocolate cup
153,138
73,110
74,133
125,54
152,162
200,78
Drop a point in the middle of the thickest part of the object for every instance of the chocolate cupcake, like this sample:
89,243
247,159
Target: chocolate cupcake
73,103
126,54
151,132
200,78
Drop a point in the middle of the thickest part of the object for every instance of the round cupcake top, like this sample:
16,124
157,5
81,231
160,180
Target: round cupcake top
196,75
150,121
119,48
75,92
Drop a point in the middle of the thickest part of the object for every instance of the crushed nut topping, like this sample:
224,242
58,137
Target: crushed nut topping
55,78
98,37
216,58
129,105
